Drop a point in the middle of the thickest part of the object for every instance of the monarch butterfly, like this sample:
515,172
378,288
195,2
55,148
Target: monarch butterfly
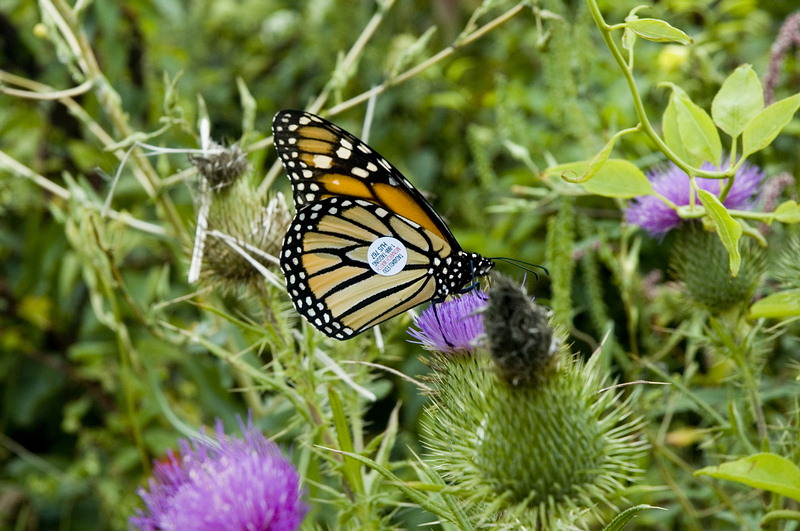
364,244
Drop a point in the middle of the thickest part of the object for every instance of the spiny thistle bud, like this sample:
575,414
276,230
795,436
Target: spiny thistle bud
239,228
255,223
700,262
520,340
787,265
543,455
221,167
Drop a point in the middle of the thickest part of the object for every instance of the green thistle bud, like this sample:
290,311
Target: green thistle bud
242,227
787,265
545,454
256,224
700,262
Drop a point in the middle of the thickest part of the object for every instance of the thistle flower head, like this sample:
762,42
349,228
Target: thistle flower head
223,483
700,261
650,213
239,227
452,326
541,452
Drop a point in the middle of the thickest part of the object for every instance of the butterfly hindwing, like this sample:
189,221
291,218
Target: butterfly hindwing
323,160
329,273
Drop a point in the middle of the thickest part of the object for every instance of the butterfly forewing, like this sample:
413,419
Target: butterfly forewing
323,160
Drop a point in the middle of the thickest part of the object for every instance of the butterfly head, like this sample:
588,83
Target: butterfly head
481,265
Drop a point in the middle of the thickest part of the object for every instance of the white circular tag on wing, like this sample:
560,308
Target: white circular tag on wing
387,256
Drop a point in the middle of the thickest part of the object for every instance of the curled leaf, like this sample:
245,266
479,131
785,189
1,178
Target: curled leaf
657,30
614,178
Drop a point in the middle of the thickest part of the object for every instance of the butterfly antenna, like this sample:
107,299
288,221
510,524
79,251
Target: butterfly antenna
525,266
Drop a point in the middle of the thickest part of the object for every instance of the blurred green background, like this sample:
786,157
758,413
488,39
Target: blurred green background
90,308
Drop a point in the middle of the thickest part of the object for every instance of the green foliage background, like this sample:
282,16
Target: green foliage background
102,339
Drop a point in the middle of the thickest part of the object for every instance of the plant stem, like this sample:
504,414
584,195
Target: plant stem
354,53
413,71
64,18
274,171
15,167
627,72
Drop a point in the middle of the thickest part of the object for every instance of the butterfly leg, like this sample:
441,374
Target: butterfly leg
441,329
474,284
468,288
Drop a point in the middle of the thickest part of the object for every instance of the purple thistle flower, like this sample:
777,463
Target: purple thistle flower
655,217
451,326
223,483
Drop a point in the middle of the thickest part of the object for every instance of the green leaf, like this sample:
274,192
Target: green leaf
352,470
739,100
672,135
697,131
788,212
777,305
765,126
249,106
422,498
657,30
728,228
615,178
626,516
766,471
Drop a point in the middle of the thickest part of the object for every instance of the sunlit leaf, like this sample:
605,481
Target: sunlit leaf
595,163
739,100
657,30
766,471
672,135
615,178
777,305
788,212
697,130
765,126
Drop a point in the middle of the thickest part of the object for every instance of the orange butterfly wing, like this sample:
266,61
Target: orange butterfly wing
323,160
